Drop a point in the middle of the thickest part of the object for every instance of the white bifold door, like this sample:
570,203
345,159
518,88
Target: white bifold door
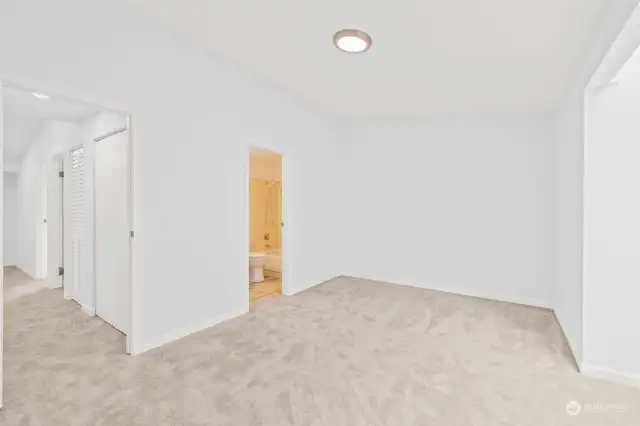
112,230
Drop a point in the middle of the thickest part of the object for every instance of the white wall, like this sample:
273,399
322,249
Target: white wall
10,237
569,166
53,137
193,120
462,205
612,228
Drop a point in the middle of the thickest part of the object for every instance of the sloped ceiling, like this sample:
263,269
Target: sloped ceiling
24,114
428,56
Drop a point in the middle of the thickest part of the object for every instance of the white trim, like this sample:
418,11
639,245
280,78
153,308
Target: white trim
131,331
610,375
179,334
88,310
518,300
2,85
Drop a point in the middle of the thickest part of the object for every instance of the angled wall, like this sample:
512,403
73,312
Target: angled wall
612,229
569,170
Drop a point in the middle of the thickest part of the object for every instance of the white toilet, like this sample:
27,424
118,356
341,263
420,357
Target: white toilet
256,264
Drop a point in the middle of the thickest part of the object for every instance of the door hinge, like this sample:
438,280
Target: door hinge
61,174
60,270
132,234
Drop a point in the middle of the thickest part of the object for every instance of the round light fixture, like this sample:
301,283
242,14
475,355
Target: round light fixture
352,41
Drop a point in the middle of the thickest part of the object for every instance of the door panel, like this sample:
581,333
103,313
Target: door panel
112,230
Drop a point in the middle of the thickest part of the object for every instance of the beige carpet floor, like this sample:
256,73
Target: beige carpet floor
17,284
349,352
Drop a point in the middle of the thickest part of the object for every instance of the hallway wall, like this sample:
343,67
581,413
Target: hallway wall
10,218
53,138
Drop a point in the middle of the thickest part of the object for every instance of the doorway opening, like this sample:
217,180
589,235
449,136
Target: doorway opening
67,192
265,225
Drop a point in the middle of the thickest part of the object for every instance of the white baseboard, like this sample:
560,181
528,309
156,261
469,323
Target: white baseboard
292,292
179,334
519,300
88,310
609,375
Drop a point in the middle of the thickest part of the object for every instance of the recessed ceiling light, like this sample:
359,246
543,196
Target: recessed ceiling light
352,41
40,95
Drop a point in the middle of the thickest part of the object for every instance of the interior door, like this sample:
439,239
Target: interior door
54,224
112,230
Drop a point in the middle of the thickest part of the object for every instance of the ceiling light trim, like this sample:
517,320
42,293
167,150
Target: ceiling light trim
362,41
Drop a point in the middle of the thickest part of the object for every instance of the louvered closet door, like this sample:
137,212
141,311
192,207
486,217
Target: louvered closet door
74,221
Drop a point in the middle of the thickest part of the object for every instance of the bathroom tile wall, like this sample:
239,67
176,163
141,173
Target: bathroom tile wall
265,217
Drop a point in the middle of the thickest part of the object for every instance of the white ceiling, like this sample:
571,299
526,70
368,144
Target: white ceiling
24,114
428,56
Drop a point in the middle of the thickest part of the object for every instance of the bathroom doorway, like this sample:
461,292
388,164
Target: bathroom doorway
265,225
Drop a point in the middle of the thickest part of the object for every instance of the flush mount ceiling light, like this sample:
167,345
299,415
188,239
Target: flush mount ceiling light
352,41
40,95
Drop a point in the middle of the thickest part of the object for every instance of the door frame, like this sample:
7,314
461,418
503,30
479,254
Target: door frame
287,196
57,163
2,245
74,96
